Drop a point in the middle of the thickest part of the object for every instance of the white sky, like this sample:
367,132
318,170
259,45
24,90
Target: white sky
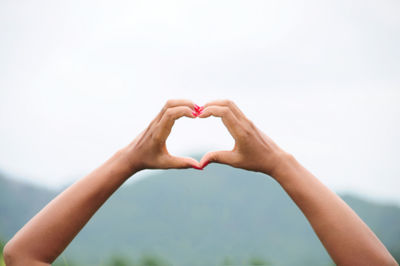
79,79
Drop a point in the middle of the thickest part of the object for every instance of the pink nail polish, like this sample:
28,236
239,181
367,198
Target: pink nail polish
195,113
205,164
196,107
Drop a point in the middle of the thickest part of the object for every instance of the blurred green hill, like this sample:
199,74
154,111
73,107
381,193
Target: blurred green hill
219,216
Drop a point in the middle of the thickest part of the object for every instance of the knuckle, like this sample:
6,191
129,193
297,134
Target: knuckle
245,132
156,136
248,132
169,113
188,112
226,102
241,134
213,157
225,111
169,103
250,123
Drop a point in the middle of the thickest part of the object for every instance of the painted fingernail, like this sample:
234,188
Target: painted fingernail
196,107
195,113
201,108
196,167
205,164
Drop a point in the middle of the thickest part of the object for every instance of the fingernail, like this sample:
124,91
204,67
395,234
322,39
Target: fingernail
205,164
196,167
195,113
201,108
196,107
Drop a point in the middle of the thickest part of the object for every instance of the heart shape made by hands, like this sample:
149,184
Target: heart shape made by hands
184,131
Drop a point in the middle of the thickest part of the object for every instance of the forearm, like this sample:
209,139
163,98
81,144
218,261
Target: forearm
345,236
48,233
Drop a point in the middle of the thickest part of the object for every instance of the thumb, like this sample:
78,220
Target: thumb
224,157
181,162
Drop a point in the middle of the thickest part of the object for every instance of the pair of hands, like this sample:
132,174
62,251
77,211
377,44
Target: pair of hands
253,149
347,239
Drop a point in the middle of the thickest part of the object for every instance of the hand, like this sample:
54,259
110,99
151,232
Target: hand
253,149
149,151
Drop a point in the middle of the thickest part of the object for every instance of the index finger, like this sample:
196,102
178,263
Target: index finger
175,103
166,122
230,104
227,116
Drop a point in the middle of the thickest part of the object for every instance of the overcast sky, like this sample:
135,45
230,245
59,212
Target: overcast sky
80,79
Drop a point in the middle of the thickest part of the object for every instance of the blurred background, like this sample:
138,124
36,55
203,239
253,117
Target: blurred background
80,79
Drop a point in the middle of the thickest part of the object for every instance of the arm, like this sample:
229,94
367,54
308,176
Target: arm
48,233
344,235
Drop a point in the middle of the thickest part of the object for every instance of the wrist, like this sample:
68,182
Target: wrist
125,163
285,164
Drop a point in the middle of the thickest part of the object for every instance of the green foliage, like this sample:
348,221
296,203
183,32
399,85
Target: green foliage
194,217
63,261
256,261
227,262
2,244
119,260
145,260
152,260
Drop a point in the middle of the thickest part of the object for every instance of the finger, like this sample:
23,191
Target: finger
228,103
175,103
170,104
180,163
224,157
227,116
166,122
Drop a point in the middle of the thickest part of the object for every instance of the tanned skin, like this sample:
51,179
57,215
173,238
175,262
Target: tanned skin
345,236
